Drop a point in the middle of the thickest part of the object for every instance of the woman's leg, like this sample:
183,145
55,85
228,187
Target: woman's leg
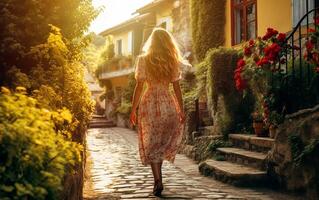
155,171
157,174
160,171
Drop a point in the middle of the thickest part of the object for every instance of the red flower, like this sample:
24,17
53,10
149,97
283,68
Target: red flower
281,37
251,43
241,63
240,83
315,57
316,20
317,69
309,45
272,51
263,61
247,51
305,55
311,30
270,33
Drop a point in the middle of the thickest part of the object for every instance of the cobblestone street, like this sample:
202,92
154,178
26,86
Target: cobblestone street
116,173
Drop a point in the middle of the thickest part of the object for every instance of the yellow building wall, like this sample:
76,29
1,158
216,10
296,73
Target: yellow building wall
228,24
124,37
276,14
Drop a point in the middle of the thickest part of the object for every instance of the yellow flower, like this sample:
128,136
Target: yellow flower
5,90
21,90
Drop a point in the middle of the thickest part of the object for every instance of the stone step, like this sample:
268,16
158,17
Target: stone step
99,120
251,142
98,117
245,157
101,124
233,173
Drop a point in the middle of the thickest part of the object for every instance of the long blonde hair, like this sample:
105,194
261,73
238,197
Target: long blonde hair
161,55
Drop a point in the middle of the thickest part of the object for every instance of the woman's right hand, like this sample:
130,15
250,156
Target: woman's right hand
182,117
133,117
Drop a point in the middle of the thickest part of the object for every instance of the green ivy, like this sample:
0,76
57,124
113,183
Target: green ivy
300,152
218,143
208,20
215,80
124,109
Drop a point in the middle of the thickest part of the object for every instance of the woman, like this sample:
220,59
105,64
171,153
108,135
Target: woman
160,113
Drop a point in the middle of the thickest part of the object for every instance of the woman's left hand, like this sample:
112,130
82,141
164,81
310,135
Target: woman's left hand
133,118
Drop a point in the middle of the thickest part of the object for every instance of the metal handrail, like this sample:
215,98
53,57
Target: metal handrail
299,23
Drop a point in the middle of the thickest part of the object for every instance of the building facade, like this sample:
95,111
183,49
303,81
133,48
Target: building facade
248,19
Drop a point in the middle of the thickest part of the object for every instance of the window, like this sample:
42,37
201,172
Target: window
119,47
165,23
244,20
300,9
130,42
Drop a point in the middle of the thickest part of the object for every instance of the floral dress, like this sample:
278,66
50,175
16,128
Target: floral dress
159,129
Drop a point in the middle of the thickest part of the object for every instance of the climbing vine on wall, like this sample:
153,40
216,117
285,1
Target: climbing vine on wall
208,21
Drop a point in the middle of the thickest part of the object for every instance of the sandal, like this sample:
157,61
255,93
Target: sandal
158,188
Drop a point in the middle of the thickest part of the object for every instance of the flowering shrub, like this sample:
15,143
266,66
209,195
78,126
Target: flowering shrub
311,53
260,58
36,147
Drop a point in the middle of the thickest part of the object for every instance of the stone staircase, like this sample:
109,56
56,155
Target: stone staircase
99,121
243,164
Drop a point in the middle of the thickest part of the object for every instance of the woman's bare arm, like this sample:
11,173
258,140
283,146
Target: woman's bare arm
178,94
137,94
135,101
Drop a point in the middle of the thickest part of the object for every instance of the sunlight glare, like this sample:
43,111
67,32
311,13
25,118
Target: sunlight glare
114,12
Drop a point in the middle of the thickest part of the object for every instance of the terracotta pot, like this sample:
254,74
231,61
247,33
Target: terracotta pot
258,128
272,131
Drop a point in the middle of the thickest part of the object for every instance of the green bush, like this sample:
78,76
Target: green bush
189,90
201,77
47,60
129,89
124,109
218,143
60,80
73,17
225,103
36,148
208,21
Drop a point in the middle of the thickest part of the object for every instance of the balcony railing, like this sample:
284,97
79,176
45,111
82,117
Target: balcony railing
116,67
117,73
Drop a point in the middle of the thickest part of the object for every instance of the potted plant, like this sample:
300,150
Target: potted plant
258,123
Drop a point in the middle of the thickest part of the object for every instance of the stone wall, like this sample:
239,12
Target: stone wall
121,121
200,150
294,158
